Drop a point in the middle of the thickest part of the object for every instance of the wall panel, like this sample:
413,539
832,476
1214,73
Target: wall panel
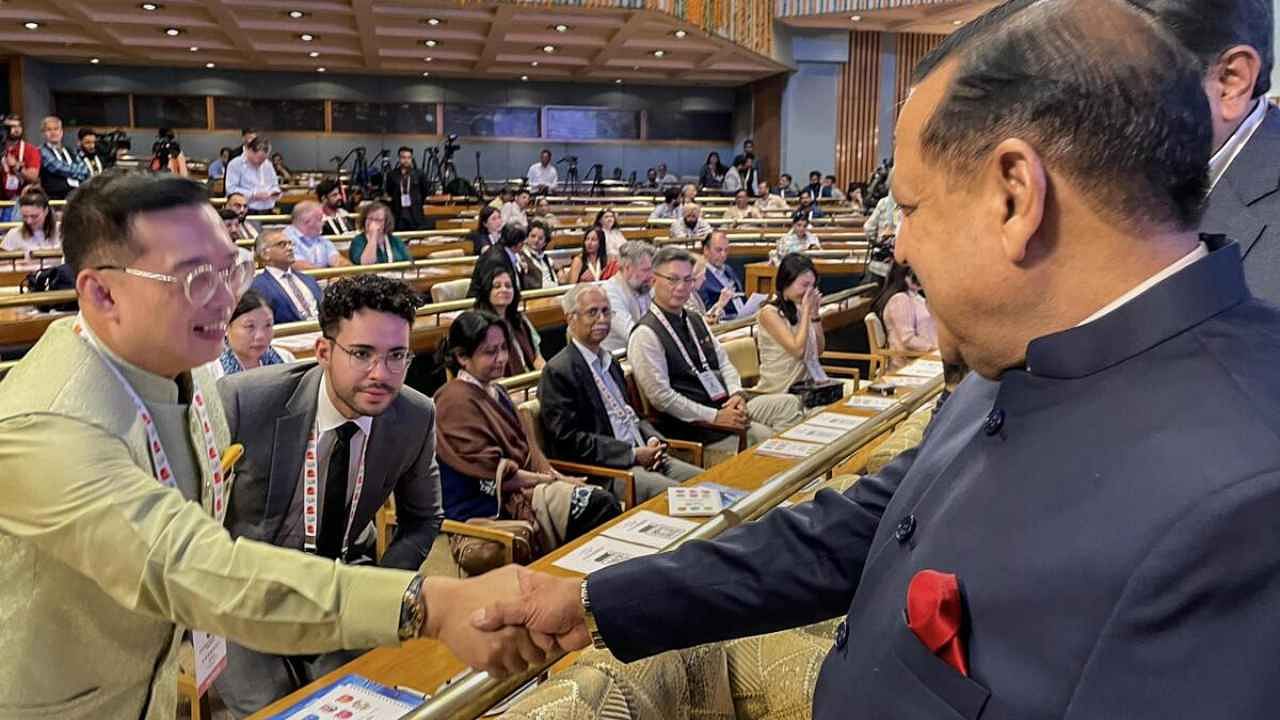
857,108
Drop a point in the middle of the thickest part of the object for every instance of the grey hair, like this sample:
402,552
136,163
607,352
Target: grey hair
569,300
268,232
634,250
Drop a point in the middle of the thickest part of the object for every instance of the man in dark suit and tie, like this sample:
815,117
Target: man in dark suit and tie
720,275
506,254
1234,40
293,296
1100,522
585,414
325,445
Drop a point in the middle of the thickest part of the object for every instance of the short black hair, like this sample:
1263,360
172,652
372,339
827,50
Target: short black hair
815,172
832,178
259,144
1209,27
228,214
799,215
345,296
1130,127
97,226
247,131
85,132
787,176
670,194
513,234
404,148
325,187
670,254
251,300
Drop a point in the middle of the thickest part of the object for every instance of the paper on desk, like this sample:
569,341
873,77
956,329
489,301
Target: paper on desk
600,552
353,698
790,449
813,433
871,402
650,529
907,380
752,304
922,368
836,420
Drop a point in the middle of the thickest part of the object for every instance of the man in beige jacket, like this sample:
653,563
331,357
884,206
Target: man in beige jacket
110,536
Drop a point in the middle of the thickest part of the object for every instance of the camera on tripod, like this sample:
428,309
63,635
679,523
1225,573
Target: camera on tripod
450,146
165,147
111,143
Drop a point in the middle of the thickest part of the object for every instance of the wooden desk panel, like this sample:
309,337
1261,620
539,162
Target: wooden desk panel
760,274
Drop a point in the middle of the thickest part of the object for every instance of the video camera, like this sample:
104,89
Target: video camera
111,143
163,149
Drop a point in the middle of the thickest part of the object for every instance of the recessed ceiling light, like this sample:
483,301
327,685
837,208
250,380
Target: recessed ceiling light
427,59
297,14
306,37
618,81
426,74
524,78
210,65
659,53
533,64
319,69
313,54
430,43
94,61
31,25
548,48
194,48
433,21
680,34
562,28
856,18
957,22
172,32
150,7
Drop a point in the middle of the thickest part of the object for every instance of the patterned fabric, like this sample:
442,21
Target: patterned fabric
231,364
907,435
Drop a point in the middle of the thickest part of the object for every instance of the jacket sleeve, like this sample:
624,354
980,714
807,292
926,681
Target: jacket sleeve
72,490
562,402
76,169
794,567
419,508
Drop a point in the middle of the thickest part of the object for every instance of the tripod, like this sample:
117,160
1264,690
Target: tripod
478,183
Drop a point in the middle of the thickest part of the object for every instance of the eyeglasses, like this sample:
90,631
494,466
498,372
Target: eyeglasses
363,360
201,284
595,312
677,280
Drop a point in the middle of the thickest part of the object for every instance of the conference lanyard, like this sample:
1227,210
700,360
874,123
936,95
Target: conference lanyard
310,487
13,181
615,407
712,384
159,460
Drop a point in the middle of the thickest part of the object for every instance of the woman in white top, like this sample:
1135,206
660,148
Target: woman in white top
607,219
791,338
905,314
798,238
248,341
39,228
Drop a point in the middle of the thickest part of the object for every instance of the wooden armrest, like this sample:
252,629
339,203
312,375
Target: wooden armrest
838,370
453,527
693,448
906,353
628,479
740,432
836,355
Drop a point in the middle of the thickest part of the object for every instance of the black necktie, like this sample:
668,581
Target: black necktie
333,521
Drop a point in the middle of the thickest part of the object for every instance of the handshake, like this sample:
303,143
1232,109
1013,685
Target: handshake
507,620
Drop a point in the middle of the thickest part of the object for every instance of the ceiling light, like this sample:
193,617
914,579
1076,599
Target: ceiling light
210,65
427,59
957,22
31,25
433,21
194,48
618,81
430,43
659,53
533,64
680,34
313,54
856,18
150,7
524,78
306,37
319,69
94,61
562,28
548,48
172,32
426,74
297,14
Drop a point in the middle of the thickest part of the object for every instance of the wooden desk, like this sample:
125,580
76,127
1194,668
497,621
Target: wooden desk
760,274
22,326
425,664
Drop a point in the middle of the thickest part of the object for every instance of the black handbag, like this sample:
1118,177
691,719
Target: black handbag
816,394
48,280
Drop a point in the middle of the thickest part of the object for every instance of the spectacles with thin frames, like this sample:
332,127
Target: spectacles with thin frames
677,280
363,360
201,283
595,312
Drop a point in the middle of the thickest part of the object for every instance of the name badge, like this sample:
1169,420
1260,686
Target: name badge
11,182
211,658
711,383
405,200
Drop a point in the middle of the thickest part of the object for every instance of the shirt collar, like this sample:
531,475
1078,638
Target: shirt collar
150,387
296,235
277,273
1222,159
604,358
1201,250
327,416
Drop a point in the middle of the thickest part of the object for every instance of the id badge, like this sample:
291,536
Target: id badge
211,658
405,200
11,182
712,385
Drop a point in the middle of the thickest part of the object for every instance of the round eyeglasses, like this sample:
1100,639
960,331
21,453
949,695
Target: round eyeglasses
201,283
363,359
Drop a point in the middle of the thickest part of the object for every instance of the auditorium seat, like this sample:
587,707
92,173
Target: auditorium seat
450,290
745,357
439,562
881,354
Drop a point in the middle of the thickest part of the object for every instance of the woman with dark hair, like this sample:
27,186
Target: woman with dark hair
248,340
713,172
607,220
539,269
592,264
488,466
488,230
497,293
376,242
791,338
38,229
905,315
282,171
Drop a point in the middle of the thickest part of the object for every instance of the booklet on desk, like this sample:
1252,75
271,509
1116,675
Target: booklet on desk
353,697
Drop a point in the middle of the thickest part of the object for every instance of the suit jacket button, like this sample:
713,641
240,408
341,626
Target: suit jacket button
842,635
995,421
906,528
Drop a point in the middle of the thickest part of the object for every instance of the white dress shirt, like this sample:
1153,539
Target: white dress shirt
305,305
513,214
1201,251
1222,159
540,175
649,364
247,180
628,308
318,250
599,364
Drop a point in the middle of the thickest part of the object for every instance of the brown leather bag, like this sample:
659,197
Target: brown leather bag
477,556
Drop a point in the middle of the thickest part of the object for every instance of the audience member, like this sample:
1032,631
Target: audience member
248,341
742,210
488,230
905,315
488,466
798,238
584,410
767,202
607,219
496,292
542,175
814,188
337,221
505,195
61,169
750,173
293,296
787,187
713,172
377,242
882,223
514,212
720,276
668,209
326,445
810,209
88,149
407,188
629,292
688,194
713,313
539,267
592,263
282,171
791,338
665,178
312,248
651,179
252,176
167,155
247,135
218,168
686,374
691,227
507,254
38,229
20,166
854,195
542,209
829,189
244,228
732,181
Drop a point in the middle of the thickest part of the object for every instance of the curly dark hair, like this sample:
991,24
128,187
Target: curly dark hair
365,292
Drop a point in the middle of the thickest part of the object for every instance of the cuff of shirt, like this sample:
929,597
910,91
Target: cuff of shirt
371,605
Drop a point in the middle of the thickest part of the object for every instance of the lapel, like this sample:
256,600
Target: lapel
582,373
289,445
383,447
1251,177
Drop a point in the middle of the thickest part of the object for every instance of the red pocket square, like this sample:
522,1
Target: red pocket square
935,613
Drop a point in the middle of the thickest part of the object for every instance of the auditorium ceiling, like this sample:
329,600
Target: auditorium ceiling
459,40
935,18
